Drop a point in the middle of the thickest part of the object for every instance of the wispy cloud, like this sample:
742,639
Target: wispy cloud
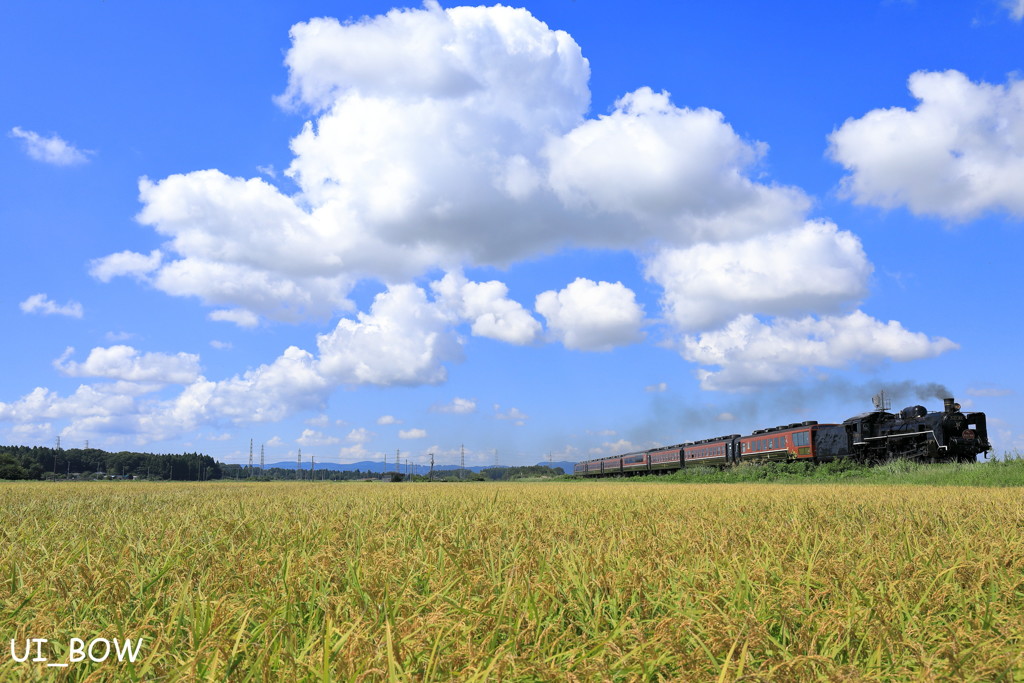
40,303
459,406
50,150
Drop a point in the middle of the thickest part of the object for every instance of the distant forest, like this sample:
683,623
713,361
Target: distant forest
40,462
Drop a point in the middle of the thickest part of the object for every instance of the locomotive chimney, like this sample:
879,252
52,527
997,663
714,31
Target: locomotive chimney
947,405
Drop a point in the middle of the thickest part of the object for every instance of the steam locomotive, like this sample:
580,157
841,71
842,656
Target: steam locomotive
912,433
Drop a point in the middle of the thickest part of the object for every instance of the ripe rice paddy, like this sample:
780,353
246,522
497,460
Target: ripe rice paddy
584,581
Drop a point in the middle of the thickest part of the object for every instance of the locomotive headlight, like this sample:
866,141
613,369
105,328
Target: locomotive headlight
956,407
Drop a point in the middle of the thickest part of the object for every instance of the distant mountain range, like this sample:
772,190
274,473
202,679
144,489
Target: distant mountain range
377,466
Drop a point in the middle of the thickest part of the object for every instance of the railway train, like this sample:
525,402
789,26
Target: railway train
876,436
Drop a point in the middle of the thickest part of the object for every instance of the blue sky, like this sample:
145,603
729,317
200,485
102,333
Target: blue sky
573,228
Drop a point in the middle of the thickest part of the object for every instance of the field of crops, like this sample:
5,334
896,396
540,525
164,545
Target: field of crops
559,581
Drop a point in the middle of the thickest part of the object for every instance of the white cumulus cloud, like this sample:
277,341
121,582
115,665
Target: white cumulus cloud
514,414
814,268
403,340
125,263
238,316
127,363
679,172
311,437
487,306
958,154
749,353
592,316
412,433
359,435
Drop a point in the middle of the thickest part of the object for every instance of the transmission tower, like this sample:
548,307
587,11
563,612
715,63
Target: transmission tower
261,458
462,461
431,467
250,457
312,468
298,466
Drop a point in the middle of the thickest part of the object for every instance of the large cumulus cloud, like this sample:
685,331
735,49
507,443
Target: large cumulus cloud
443,139
958,154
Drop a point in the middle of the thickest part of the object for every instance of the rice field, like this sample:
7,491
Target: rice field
577,581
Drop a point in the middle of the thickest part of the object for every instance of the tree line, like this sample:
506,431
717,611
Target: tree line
40,462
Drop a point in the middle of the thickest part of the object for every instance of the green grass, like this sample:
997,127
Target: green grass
1008,471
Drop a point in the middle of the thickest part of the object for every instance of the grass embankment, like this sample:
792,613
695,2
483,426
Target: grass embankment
1008,471
587,581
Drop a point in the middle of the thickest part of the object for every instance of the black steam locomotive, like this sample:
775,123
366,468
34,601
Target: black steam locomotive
912,433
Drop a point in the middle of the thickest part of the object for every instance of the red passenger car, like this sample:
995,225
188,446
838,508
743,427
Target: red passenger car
788,442
666,458
717,451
